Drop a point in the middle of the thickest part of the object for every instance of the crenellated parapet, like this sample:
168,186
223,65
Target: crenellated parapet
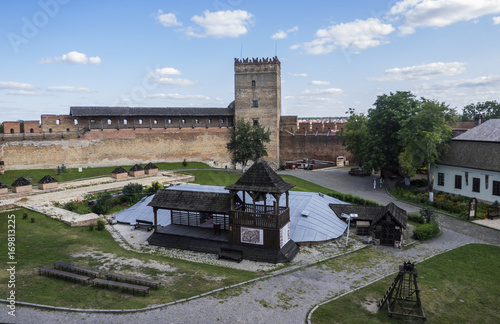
256,60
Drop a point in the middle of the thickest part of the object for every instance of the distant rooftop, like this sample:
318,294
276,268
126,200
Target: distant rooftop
489,131
93,111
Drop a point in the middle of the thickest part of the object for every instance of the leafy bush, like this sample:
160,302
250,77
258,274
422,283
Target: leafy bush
155,186
419,182
132,193
426,231
100,225
427,214
415,217
103,204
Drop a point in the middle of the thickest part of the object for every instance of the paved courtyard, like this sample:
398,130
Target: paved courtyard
287,298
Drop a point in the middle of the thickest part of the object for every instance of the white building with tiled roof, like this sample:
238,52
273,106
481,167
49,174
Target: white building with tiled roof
471,166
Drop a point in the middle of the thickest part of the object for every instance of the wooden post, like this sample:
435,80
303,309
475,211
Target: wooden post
155,211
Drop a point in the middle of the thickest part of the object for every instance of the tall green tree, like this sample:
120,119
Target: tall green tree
356,136
384,124
248,142
425,136
490,109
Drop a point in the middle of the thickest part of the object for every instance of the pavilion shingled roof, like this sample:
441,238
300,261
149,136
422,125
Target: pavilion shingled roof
150,166
136,167
371,213
119,170
396,212
21,182
3,185
47,179
261,178
212,202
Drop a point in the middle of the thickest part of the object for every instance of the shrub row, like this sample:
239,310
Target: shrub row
426,231
355,200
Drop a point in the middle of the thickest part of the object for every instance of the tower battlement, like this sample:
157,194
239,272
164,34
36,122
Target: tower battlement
256,60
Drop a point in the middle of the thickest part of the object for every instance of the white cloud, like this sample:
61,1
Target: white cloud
176,96
359,34
175,82
221,24
303,75
318,82
26,93
69,89
281,34
162,76
163,72
16,85
73,57
167,19
439,13
296,46
422,72
308,92
496,20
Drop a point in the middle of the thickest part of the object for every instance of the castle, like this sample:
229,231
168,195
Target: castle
108,136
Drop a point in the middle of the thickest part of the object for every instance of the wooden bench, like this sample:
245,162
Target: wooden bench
63,274
132,279
230,254
139,223
77,269
493,212
124,286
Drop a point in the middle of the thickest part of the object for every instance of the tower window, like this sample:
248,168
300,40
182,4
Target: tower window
58,122
256,121
255,103
253,83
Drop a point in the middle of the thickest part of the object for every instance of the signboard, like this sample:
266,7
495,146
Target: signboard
252,236
284,235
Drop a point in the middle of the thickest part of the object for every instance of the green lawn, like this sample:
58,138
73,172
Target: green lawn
459,286
45,241
72,173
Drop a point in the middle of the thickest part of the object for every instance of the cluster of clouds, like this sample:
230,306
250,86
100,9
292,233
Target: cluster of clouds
218,24
405,16
73,57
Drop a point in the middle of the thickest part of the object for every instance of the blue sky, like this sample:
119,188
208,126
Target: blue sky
334,54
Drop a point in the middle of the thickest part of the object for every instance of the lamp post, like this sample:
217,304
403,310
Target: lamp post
349,225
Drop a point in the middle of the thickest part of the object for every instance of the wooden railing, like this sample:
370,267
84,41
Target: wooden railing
262,216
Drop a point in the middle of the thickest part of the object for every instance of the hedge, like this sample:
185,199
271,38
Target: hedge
426,231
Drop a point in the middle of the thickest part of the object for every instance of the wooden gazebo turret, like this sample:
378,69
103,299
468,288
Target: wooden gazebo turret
256,221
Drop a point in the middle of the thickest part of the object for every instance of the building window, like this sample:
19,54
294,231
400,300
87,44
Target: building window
476,185
58,122
496,188
253,83
140,121
255,103
109,121
256,121
440,179
76,121
50,130
32,130
155,122
125,122
458,181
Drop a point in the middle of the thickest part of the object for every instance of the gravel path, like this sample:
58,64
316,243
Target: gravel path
289,297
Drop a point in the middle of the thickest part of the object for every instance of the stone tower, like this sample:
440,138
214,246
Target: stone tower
257,90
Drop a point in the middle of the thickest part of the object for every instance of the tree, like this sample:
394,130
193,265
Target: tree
247,142
103,204
425,136
1,128
490,109
132,192
384,124
356,135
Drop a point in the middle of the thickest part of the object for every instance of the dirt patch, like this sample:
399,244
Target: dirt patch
371,305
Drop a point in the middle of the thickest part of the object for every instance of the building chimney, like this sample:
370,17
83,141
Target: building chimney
478,120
